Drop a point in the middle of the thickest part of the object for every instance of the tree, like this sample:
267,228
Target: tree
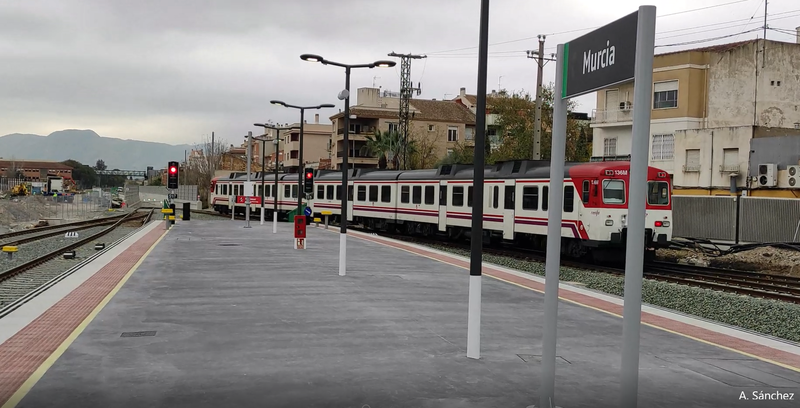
204,160
84,175
100,165
461,154
424,153
13,171
515,120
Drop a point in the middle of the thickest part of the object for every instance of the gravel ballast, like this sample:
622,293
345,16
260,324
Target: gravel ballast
17,286
766,316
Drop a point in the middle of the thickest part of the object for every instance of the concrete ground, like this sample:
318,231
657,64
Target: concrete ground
243,320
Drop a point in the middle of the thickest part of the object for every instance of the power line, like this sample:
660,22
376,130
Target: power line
708,39
591,28
430,54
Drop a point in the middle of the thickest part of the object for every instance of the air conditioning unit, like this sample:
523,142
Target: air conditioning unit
794,176
767,175
624,106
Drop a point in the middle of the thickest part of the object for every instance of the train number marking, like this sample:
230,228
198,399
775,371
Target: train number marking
620,172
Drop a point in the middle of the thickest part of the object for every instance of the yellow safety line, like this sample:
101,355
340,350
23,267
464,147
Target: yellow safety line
37,375
744,353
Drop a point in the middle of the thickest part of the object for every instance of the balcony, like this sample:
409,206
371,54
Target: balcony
356,154
361,130
729,168
612,116
691,168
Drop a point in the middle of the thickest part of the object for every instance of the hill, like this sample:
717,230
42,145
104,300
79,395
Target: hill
87,147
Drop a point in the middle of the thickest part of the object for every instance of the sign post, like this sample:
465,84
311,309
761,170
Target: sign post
613,54
299,232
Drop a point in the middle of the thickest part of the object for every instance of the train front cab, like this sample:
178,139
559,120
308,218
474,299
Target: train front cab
658,220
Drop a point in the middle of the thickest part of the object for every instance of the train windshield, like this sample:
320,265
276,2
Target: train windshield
657,193
613,192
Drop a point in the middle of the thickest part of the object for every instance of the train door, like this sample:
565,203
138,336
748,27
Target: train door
442,206
508,209
350,197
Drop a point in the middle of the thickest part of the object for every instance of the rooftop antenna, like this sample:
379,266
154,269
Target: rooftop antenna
373,80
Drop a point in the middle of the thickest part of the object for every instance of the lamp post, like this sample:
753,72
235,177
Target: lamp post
263,140
249,182
300,165
345,95
276,141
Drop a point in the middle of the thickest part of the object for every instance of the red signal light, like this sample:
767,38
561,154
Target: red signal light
173,169
309,175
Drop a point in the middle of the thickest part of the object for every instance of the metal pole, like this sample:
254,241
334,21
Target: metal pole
300,169
213,162
346,142
554,218
634,256
476,236
249,183
263,159
275,187
537,124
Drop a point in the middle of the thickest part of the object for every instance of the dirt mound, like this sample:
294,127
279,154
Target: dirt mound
23,212
764,259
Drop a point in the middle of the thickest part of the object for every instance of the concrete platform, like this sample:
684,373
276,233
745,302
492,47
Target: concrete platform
243,320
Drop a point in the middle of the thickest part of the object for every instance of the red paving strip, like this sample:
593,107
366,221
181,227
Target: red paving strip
22,354
720,339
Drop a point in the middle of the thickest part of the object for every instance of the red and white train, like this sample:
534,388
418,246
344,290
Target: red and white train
439,200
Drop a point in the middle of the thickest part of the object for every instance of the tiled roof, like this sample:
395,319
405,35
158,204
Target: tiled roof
439,111
31,164
713,48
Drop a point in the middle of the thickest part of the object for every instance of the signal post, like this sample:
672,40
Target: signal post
300,220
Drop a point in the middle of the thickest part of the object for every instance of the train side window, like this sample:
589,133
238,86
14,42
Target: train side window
509,198
458,196
430,199
339,192
362,193
320,192
373,194
585,191
530,198
294,191
404,194
545,198
330,192
469,196
613,192
416,195
286,191
386,194
442,195
349,193
496,198
569,198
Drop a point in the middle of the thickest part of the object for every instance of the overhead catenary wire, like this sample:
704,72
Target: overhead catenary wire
437,54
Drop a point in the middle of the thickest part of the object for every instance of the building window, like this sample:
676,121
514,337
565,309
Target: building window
665,95
663,147
295,137
692,160
469,133
730,159
431,128
452,133
393,127
610,146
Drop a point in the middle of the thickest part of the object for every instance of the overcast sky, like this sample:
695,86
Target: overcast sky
175,70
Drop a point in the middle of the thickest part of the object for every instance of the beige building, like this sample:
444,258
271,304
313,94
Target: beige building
435,125
316,139
709,105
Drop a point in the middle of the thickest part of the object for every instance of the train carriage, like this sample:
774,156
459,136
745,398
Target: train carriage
225,190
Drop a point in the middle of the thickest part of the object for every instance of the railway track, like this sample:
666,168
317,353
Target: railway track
769,286
35,234
21,282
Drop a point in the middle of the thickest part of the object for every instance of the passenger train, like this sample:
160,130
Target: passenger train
439,201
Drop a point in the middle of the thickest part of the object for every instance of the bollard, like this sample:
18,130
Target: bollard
187,211
172,207
326,222
10,251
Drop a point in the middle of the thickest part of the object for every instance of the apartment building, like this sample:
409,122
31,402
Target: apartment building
316,144
439,124
717,113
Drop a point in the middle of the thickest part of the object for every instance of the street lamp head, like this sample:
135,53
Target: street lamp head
384,64
278,103
327,105
260,124
311,58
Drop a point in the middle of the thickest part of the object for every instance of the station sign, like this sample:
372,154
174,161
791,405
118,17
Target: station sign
601,58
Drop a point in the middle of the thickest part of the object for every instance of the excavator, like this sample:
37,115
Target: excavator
22,189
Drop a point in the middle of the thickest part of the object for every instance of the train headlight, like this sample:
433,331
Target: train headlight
666,223
609,223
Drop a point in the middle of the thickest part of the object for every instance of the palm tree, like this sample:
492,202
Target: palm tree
384,145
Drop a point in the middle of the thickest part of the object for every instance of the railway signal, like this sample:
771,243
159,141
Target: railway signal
308,183
172,175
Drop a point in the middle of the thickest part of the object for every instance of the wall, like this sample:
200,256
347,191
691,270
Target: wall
782,150
732,86
711,143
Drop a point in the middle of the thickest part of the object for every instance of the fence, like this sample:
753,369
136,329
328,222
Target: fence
7,184
132,197
760,219
185,192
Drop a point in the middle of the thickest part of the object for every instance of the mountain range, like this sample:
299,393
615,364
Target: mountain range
87,147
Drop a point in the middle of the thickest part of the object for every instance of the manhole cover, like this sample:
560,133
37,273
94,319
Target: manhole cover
228,244
139,334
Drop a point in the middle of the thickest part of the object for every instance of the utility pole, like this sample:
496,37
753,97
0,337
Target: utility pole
764,47
406,89
536,153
